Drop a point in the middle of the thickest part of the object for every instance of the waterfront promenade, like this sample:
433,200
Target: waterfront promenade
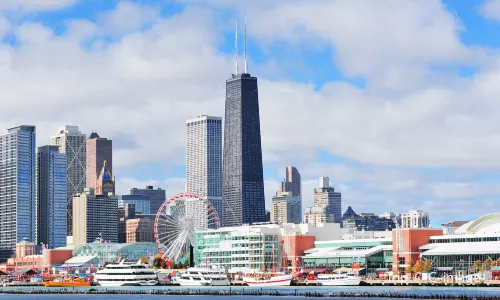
376,282
370,282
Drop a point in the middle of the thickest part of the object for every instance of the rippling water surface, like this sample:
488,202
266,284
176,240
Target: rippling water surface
290,291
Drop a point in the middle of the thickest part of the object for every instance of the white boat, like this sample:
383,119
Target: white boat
339,279
126,274
197,276
267,279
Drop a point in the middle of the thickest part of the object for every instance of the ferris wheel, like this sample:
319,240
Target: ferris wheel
177,220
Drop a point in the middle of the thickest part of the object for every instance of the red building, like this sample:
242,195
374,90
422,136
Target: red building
409,240
26,258
296,245
98,150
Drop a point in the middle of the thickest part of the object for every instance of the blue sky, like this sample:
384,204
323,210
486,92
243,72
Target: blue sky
395,101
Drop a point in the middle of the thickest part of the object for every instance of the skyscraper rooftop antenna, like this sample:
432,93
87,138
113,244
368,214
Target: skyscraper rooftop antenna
245,44
237,69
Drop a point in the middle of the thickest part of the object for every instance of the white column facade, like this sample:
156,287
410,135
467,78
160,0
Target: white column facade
204,161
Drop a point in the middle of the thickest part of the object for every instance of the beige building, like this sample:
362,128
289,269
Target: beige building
286,209
292,182
94,216
327,204
139,230
315,216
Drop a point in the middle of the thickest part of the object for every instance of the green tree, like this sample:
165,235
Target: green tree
157,262
144,259
163,264
13,255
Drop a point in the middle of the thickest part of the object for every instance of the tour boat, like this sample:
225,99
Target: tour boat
339,279
126,274
66,282
267,279
196,276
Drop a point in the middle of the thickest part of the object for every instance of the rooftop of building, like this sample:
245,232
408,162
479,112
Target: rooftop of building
94,135
455,223
487,224
148,187
25,241
349,213
203,117
339,252
69,129
355,241
101,245
22,127
105,174
462,248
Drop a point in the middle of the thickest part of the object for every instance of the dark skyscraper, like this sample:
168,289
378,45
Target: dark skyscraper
243,183
156,196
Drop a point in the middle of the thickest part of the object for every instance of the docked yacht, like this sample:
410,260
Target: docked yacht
267,279
339,279
126,274
196,276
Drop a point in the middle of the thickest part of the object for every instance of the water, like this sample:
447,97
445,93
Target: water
417,290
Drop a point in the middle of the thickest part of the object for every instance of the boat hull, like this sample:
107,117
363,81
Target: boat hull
65,284
273,281
224,282
193,283
340,282
148,283
118,283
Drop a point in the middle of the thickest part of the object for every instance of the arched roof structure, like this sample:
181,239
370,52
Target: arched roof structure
487,224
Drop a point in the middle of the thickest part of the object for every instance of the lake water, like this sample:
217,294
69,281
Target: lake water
471,291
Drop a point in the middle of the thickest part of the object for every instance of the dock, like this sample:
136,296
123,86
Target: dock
483,283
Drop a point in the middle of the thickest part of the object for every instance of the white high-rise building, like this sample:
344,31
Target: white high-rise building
415,219
73,143
204,160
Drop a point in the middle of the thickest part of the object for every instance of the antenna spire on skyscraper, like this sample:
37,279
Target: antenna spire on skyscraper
245,44
237,70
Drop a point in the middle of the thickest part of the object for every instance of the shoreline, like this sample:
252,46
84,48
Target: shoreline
254,293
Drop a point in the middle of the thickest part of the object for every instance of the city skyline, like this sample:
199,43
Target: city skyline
394,122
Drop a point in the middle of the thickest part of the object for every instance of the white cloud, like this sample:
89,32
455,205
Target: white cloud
490,9
144,84
35,5
128,16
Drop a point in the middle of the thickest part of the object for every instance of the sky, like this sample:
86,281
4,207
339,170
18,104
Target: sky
396,101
